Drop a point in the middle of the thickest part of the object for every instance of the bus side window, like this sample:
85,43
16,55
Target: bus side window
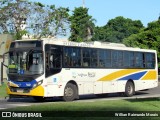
104,57
86,57
72,57
139,60
85,64
94,58
53,59
66,60
150,60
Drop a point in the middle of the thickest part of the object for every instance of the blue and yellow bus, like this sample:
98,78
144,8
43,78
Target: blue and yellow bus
61,68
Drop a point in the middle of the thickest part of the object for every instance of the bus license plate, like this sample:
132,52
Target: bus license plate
20,90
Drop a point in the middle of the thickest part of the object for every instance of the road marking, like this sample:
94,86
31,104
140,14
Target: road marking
12,106
17,105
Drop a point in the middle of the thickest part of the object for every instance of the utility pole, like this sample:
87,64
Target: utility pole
83,3
1,67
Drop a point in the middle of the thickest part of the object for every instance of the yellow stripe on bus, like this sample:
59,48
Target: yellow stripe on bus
151,75
118,74
38,91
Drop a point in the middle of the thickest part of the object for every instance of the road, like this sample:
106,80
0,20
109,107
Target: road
6,103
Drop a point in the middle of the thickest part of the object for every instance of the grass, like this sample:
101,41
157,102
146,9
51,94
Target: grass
3,90
109,105
98,110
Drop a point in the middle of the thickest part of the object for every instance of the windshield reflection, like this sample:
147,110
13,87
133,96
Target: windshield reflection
26,62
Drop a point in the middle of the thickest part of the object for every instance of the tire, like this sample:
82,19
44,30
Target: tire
70,92
129,89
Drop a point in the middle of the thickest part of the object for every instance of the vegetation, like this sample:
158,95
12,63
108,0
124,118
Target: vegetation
19,17
131,33
95,110
151,104
82,25
148,38
117,29
3,90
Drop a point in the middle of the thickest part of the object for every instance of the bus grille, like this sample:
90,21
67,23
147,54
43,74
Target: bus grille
20,90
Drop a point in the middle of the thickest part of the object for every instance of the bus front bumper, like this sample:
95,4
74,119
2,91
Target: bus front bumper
38,91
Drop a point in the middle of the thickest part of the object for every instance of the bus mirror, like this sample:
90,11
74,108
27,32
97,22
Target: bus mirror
4,59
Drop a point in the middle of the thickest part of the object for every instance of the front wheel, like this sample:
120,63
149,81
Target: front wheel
129,89
70,92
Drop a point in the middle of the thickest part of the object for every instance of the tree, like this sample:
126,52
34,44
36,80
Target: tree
117,29
13,16
99,34
82,25
148,38
50,21
19,17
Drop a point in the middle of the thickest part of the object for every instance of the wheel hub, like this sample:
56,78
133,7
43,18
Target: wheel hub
68,92
130,89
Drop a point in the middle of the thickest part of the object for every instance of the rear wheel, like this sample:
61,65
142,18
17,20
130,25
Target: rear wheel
129,89
70,92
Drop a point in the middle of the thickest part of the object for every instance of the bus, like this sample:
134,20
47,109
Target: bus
61,68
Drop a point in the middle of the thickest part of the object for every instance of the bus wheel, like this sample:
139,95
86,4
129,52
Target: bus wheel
70,92
129,89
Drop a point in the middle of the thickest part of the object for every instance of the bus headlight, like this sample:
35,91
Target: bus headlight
38,83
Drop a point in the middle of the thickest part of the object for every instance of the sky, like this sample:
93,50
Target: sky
104,10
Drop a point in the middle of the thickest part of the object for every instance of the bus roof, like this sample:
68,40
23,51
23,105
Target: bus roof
92,44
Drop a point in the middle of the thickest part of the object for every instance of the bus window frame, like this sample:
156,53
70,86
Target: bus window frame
111,60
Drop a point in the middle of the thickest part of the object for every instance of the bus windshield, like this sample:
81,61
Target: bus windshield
26,62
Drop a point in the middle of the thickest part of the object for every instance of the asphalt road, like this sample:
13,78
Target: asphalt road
6,103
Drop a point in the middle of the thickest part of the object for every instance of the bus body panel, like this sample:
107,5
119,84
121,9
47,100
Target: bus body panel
34,88
89,80
95,81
